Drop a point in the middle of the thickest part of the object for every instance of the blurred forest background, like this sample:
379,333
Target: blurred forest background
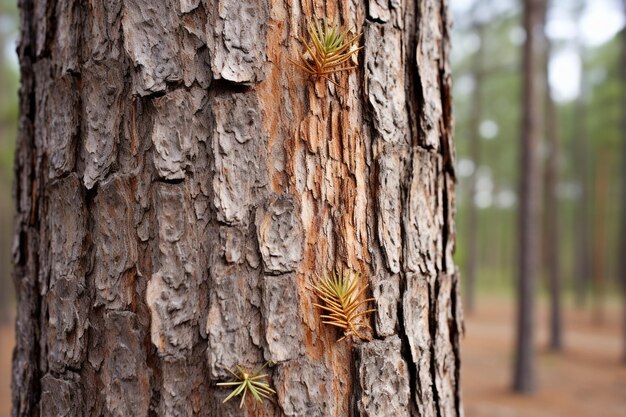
579,372
584,128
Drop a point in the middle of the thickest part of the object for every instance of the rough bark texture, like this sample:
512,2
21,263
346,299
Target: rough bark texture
530,196
179,183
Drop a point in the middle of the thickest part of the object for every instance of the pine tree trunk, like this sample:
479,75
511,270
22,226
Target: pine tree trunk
582,226
552,229
179,184
601,196
530,196
580,155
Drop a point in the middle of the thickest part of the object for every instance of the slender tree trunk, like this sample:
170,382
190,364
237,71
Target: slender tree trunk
583,229
530,197
552,251
599,235
582,215
180,183
472,243
552,233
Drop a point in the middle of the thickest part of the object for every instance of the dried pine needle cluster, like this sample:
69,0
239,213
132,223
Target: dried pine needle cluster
330,50
244,382
341,295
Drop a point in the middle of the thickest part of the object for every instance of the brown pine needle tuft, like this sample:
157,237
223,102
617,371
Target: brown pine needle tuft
244,382
329,50
342,306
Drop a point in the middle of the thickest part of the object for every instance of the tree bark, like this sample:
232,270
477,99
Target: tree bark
530,196
180,183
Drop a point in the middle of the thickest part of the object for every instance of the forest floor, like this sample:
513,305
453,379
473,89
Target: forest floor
585,380
7,341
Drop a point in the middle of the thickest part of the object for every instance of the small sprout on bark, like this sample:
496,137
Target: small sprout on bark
342,306
330,50
244,382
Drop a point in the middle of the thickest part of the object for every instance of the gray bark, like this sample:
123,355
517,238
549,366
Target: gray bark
179,183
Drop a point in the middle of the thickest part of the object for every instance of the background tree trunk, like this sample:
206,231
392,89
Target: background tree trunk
583,247
601,191
179,183
530,195
581,159
552,229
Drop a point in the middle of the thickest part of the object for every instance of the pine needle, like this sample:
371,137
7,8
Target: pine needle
340,295
244,382
328,51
